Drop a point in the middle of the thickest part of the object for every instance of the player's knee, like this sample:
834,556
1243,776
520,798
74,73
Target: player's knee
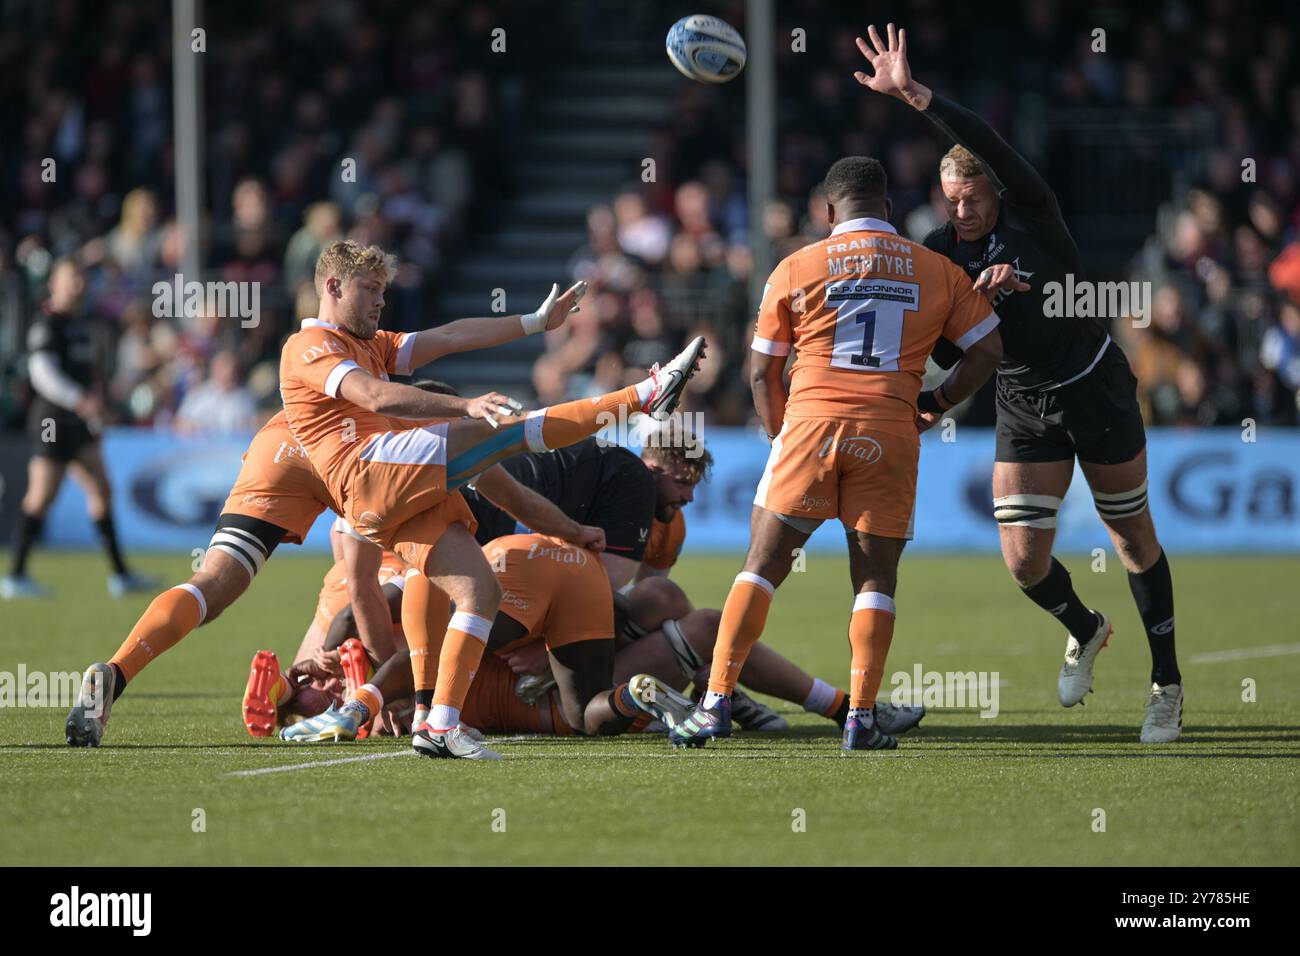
661,597
701,628
1027,568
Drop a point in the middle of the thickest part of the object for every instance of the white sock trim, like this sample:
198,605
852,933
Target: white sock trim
442,717
479,627
533,430
820,697
644,389
873,601
757,580
198,596
379,695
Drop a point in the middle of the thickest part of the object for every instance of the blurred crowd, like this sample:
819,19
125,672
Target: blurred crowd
670,259
379,120
405,90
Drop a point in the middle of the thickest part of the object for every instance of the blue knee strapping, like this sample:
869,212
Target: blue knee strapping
465,465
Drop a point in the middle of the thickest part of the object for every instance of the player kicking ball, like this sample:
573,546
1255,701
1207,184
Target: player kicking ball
1065,391
863,309
394,485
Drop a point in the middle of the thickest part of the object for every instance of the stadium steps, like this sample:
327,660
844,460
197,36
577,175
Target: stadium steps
590,127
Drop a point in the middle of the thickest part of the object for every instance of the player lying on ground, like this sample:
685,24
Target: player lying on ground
394,485
863,309
1065,391
554,595
667,651
316,678
277,497
313,682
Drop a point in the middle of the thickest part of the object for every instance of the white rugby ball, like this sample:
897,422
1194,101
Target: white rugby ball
706,49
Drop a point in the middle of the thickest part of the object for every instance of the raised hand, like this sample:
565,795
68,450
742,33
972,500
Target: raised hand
891,73
565,305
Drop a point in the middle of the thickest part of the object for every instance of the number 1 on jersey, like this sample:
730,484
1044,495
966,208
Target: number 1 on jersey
869,322
866,356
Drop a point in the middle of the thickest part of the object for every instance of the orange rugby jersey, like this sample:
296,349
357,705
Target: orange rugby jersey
558,591
666,540
334,589
312,364
276,471
863,309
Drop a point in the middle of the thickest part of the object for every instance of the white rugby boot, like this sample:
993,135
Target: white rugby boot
1164,722
1075,680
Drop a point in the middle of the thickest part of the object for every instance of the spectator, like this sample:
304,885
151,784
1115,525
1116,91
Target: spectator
220,405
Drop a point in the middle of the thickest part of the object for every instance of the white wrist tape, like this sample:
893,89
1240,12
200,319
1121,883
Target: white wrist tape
535,322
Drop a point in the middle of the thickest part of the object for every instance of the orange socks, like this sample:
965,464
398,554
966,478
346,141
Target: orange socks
743,618
171,616
570,422
871,629
462,650
425,611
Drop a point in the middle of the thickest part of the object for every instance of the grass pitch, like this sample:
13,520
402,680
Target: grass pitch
1023,787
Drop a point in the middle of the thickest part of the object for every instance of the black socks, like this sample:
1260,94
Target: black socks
1153,592
1055,595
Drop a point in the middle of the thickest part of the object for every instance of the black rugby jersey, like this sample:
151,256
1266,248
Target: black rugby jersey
70,341
575,479
1039,351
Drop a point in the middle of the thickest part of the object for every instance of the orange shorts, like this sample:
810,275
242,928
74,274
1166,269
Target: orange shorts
862,472
558,591
276,484
414,540
494,708
398,476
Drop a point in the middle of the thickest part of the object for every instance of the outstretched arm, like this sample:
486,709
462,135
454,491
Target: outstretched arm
537,512
1015,179
408,402
465,335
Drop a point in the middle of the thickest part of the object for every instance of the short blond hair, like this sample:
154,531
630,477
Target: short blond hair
347,257
960,163
691,463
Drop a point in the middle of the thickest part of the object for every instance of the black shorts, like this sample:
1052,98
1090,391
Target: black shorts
61,438
1096,419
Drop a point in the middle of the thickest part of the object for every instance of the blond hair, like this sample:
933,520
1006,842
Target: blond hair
692,463
347,257
960,163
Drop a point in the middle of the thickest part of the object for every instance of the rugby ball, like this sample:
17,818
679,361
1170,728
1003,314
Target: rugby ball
706,49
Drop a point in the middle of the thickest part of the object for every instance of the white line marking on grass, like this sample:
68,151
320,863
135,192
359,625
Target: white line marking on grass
319,763
341,760
1245,653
